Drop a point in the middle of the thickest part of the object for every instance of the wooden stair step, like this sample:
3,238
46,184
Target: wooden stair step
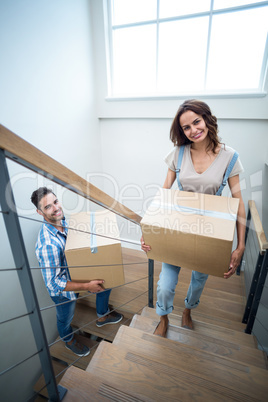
194,362
215,331
84,386
85,317
197,363
216,308
206,317
233,286
146,324
221,302
58,368
205,343
149,381
221,292
59,351
224,294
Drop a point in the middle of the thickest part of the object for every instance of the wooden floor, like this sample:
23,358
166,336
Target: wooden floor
216,361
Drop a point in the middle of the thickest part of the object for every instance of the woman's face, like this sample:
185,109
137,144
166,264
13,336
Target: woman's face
193,126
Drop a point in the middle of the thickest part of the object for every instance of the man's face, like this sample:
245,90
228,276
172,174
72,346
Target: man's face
50,209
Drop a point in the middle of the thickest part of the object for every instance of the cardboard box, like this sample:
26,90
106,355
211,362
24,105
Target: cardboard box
95,257
191,230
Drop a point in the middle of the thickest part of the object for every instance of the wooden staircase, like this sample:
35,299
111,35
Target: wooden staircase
209,363
216,361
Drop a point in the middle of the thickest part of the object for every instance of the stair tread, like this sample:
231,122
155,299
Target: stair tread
206,328
149,344
191,339
85,318
208,316
177,372
146,383
231,286
83,386
59,351
222,302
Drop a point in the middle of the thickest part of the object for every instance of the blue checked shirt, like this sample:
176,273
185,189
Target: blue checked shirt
49,251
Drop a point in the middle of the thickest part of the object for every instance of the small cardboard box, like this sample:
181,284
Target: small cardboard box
191,230
95,257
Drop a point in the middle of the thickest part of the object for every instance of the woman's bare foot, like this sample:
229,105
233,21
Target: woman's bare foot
186,320
161,329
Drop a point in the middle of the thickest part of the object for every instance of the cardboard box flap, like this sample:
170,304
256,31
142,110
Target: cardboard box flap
95,257
193,213
81,226
191,230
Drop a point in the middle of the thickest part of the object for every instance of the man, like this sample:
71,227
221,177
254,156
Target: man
63,291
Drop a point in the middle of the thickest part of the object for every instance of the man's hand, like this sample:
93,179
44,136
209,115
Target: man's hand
95,286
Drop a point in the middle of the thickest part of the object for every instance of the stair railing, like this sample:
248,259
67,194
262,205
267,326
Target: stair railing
255,260
15,148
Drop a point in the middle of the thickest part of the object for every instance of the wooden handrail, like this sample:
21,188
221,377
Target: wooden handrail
16,148
263,244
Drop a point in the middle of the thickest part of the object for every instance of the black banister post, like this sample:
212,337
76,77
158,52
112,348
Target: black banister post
246,237
253,287
257,293
151,283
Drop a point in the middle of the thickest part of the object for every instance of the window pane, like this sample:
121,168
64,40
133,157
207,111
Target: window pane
134,51
236,53
218,4
130,11
174,8
182,55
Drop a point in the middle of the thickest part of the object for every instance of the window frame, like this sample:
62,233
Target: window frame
259,92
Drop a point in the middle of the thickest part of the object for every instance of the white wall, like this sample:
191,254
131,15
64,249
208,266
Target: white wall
48,98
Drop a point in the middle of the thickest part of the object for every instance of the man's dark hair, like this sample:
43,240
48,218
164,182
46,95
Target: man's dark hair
38,194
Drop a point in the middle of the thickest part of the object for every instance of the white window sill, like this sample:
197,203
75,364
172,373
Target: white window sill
210,95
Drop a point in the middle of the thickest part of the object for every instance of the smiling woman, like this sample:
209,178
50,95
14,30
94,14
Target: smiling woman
201,164
194,126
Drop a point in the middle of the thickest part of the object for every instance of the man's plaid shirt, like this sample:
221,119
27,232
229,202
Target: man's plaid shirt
50,253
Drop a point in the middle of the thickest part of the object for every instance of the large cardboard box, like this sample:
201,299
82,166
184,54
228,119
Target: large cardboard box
94,257
191,230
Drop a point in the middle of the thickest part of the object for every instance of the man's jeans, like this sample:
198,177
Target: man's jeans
102,302
65,312
168,280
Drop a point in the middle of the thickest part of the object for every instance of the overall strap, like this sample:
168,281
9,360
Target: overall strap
93,237
227,173
179,165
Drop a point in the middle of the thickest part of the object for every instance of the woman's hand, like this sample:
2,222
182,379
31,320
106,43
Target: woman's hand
236,256
144,247
235,261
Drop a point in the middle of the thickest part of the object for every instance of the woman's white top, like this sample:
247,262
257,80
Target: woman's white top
210,180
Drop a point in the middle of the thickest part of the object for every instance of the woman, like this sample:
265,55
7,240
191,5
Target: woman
203,166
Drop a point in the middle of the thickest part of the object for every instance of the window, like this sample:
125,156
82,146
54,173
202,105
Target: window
178,47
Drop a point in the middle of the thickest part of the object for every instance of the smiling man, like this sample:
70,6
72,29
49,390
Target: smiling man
50,252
